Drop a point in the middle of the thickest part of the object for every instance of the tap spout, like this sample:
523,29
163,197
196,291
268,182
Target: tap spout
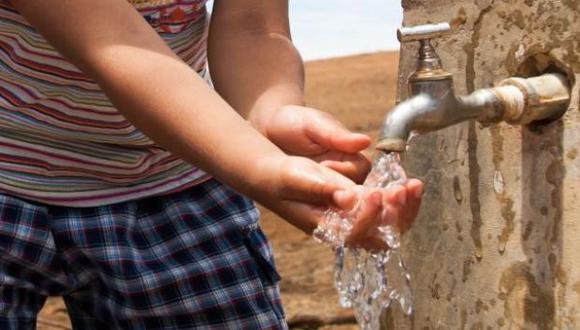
425,112
434,106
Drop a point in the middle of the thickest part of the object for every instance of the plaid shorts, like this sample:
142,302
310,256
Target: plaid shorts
191,260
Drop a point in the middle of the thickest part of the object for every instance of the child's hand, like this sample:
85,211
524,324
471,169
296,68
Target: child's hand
397,206
315,134
296,188
301,190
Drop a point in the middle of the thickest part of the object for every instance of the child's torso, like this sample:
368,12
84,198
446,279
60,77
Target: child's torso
59,133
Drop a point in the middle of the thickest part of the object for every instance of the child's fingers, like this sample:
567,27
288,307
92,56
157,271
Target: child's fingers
396,200
367,217
373,244
391,215
323,129
401,195
354,166
345,199
312,183
395,195
403,205
398,208
302,215
311,191
415,187
413,205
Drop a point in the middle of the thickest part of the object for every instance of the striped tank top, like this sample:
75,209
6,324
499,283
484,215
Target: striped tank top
61,140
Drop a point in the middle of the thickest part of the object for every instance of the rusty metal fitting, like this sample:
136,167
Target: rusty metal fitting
546,96
512,101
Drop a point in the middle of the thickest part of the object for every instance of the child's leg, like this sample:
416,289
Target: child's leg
192,260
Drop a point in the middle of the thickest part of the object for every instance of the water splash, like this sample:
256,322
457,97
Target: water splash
369,281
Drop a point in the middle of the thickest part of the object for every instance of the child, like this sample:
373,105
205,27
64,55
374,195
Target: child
137,234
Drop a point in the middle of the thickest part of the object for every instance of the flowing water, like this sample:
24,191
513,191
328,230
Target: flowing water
369,281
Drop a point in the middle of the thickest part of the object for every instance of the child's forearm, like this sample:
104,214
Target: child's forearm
153,88
253,63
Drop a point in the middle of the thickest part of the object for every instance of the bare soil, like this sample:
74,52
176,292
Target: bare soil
358,90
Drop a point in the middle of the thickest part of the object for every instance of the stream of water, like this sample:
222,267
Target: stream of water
369,281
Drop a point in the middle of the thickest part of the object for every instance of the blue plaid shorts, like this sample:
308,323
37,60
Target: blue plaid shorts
191,260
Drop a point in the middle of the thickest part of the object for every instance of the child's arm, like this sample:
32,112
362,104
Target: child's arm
170,103
253,63
257,69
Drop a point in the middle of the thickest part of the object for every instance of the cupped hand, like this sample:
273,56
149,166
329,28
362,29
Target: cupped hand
297,188
301,190
304,131
370,209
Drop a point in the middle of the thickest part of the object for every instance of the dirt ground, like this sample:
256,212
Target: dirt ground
357,90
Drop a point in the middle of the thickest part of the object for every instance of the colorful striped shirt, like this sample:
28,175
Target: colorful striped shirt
61,140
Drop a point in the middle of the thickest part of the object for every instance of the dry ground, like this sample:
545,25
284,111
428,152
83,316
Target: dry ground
357,90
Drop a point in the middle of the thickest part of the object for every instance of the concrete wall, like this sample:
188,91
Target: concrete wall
485,255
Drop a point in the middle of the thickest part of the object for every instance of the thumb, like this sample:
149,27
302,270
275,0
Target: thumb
316,185
326,131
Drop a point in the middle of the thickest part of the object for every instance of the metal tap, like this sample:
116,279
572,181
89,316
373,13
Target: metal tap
433,104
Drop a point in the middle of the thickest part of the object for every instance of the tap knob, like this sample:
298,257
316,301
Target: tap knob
423,32
429,64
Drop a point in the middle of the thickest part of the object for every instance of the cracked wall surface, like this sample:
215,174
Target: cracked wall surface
497,244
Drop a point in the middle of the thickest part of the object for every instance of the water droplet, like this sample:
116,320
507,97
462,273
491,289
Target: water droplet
501,246
457,190
443,144
478,253
498,182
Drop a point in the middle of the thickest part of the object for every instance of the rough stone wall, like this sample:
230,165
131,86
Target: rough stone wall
485,255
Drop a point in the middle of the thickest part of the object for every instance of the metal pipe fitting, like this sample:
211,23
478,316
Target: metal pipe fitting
546,97
433,104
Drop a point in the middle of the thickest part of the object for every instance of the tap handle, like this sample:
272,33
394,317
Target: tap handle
423,32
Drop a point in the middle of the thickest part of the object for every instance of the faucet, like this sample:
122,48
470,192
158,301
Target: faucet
433,104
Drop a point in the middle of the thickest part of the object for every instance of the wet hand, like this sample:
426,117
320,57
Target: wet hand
397,206
304,131
297,188
301,190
